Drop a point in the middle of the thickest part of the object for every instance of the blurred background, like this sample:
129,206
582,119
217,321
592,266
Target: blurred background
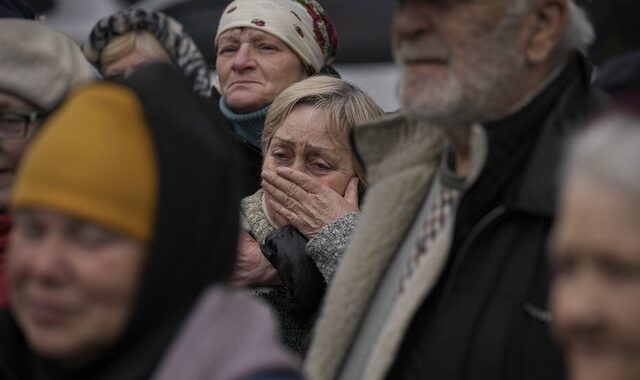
364,27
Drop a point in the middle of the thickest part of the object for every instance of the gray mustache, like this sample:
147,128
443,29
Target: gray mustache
427,50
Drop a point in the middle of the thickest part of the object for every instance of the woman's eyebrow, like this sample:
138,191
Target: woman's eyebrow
321,147
283,141
227,41
312,145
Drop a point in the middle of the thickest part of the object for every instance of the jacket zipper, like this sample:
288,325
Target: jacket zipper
477,229
485,222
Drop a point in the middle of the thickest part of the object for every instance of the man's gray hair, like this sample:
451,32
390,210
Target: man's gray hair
608,151
579,34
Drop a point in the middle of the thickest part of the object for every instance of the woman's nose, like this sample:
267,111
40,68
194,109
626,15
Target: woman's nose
299,165
244,58
47,261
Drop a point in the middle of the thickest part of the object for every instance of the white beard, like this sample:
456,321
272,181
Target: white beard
476,88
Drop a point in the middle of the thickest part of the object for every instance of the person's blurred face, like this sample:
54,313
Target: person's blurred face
254,67
595,296
72,284
303,143
458,59
126,65
12,149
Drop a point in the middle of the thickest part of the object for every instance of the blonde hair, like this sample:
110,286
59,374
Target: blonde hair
122,45
343,104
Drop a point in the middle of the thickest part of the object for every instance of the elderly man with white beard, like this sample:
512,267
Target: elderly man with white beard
446,275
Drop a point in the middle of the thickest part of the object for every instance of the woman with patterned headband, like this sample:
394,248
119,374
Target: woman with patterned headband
264,46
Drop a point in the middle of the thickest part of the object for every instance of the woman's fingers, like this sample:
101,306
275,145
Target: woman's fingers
285,213
283,188
351,193
305,182
283,198
306,203
307,225
252,268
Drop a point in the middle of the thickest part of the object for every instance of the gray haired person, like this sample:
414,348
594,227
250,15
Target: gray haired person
595,297
291,246
446,274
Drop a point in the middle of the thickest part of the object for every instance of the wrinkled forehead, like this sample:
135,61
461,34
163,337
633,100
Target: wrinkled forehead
314,125
245,33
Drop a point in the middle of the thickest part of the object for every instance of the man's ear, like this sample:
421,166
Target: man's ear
546,26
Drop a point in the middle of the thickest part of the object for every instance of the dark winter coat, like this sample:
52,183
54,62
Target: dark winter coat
193,245
483,315
487,316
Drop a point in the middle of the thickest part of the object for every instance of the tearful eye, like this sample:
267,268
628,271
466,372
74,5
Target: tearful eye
321,166
279,156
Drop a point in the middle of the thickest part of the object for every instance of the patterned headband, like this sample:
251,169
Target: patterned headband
178,44
302,24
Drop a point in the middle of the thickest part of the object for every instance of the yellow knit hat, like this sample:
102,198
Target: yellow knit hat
94,159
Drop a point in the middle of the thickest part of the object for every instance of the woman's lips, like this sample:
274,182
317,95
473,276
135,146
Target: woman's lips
48,313
243,82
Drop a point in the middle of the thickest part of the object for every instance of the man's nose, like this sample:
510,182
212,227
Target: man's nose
411,20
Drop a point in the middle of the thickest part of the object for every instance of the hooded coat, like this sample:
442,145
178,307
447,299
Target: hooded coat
192,249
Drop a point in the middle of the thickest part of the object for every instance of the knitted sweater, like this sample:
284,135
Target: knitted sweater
325,249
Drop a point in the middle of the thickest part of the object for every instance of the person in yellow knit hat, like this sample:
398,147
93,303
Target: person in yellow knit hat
126,222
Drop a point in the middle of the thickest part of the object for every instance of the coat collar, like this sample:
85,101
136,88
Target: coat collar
538,189
392,143
400,159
